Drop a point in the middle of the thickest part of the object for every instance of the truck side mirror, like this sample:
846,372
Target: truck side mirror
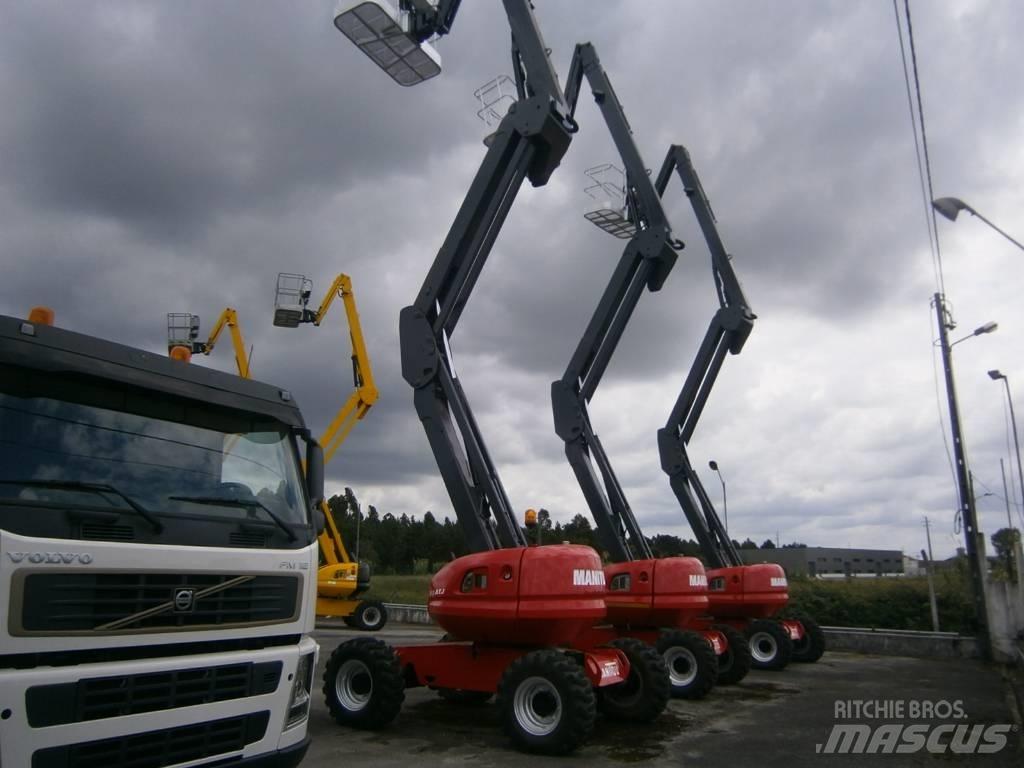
315,474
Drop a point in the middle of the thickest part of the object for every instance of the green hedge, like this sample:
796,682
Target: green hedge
885,603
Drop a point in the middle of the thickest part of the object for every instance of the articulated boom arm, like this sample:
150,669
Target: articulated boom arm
228,318
529,143
645,262
365,394
726,334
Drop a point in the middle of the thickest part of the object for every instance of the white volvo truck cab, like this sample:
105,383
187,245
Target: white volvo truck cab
157,560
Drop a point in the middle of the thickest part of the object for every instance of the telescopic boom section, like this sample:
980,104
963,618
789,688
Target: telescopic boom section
529,143
726,334
645,262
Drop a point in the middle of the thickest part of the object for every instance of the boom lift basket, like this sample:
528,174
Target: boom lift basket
495,97
383,33
608,188
182,329
291,299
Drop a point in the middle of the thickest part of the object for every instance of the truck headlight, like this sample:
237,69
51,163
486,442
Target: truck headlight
298,703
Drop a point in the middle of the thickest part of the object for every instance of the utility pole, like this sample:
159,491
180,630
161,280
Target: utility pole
929,568
1006,495
968,513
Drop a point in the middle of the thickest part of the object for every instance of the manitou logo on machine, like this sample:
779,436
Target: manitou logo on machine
779,581
584,577
65,558
698,580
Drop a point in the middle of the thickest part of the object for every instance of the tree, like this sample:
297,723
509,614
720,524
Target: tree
1004,541
666,545
768,544
578,531
748,544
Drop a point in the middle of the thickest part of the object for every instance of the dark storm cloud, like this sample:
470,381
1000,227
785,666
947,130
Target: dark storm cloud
164,118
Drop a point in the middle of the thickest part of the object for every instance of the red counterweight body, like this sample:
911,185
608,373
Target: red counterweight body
669,592
538,596
747,591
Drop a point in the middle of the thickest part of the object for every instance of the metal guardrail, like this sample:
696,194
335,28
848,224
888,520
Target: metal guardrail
909,633
905,633
407,606
897,642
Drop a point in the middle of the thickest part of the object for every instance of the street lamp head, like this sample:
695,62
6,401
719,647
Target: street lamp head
950,206
996,375
713,465
986,328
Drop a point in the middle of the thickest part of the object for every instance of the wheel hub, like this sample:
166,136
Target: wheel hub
763,647
682,666
353,685
371,616
537,705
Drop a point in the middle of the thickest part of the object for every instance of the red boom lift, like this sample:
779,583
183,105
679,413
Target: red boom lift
657,601
517,615
747,597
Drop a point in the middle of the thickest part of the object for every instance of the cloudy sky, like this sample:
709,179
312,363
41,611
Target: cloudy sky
160,157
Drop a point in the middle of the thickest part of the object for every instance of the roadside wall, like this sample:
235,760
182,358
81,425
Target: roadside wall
1006,613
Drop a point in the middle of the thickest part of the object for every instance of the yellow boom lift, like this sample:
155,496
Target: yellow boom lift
183,335
341,579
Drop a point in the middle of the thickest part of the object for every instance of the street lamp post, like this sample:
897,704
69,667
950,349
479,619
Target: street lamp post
930,571
725,506
996,376
968,512
951,206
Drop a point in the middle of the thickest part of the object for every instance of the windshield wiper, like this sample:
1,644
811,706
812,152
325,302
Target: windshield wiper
77,485
242,503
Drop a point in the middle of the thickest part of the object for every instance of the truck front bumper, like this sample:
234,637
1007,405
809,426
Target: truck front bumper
289,757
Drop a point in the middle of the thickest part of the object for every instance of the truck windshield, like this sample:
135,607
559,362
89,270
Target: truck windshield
154,454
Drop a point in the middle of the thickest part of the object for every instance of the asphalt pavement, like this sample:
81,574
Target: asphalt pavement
786,719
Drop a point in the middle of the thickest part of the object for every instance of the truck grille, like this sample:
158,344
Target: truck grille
117,603
158,748
101,697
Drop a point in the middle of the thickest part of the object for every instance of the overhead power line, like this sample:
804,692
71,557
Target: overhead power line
920,138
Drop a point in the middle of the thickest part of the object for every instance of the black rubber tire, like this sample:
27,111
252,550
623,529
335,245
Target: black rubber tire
734,664
551,687
363,683
463,698
691,662
645,693
370,615
770,646
350,621
811,647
